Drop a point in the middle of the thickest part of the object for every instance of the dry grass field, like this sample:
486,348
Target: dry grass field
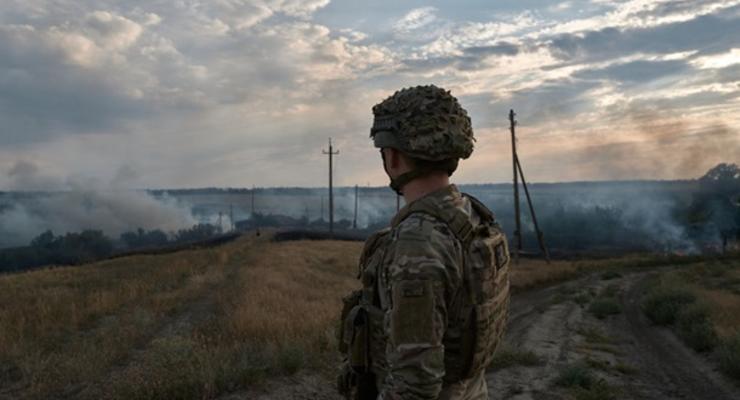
197,323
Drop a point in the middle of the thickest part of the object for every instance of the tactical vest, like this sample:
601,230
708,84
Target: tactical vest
477,314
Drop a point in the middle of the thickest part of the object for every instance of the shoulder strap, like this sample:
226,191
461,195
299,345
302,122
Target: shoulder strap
485,214
458,222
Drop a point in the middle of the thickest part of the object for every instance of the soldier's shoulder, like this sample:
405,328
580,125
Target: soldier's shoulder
423,234
373,242
423,226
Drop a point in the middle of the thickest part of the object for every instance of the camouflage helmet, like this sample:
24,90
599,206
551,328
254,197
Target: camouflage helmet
425,122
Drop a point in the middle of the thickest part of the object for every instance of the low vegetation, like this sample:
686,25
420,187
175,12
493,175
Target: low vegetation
508,357
702,304
604,307
584,384
192,324
202,323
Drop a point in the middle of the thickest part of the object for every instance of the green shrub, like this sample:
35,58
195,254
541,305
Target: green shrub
575,376
729,356
582,299
604,307
608,275
663,304
600,390
291,360
695,327
508,357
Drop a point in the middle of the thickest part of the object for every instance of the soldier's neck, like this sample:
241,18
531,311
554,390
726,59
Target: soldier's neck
424,185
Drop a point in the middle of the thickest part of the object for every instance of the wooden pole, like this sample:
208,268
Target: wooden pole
331,153
514,158
540,236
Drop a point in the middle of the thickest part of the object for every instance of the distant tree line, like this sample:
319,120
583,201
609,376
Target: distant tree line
708,221
91,245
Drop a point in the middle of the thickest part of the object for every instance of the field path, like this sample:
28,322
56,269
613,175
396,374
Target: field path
196,310
635,358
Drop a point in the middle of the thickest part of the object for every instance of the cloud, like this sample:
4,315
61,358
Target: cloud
242,92
709,34
640,71
415,19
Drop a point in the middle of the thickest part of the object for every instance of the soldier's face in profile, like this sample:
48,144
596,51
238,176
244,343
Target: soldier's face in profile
390,162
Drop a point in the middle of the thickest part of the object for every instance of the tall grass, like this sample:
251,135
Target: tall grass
62,329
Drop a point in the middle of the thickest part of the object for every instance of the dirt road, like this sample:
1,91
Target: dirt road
629,356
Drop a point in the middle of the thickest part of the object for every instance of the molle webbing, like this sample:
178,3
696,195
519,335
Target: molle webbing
457,220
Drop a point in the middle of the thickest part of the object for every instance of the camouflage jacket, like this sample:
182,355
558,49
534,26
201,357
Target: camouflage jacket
412,276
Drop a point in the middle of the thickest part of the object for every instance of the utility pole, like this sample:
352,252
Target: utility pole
331,153
518,230
354,221
518,171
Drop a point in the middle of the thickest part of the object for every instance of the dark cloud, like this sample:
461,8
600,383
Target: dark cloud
500,48
636,72
694,100
472,58
43,95
552,99
672,7
708,34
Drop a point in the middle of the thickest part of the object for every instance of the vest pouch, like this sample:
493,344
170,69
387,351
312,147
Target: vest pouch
487,269
358,348
378,342
344,330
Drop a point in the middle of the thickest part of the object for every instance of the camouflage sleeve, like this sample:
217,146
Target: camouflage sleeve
420,275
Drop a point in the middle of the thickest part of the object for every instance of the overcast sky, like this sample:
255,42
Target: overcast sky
193,93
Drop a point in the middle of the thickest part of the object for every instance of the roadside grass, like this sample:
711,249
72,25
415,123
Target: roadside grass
728,353
700,303
606,303
534,273
608,275
508,357
584,385
593,334
602,308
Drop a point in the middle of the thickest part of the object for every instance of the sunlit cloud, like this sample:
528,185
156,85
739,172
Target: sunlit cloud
247,92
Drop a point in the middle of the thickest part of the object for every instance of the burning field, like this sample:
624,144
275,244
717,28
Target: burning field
255,319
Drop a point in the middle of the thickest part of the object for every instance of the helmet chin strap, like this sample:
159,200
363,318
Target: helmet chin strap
400,181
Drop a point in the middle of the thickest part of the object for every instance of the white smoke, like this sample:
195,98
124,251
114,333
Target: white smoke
82,204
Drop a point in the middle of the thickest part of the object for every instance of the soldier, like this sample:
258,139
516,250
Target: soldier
435,284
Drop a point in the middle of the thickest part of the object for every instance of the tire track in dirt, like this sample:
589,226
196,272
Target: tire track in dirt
637,359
